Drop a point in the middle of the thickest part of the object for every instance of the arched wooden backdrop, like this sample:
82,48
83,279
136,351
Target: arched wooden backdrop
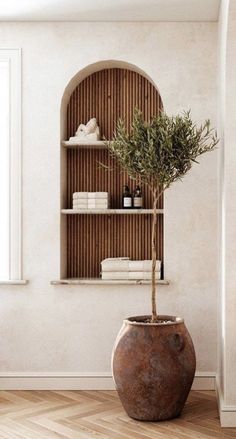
107,95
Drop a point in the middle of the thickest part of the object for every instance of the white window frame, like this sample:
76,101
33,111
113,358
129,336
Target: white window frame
13,58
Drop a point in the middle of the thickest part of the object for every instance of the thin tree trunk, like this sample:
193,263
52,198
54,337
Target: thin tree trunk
154,255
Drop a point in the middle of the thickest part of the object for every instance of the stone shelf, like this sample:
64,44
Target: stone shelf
70,144
110,211
105,282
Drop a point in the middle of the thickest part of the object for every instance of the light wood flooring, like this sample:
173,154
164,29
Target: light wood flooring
99,415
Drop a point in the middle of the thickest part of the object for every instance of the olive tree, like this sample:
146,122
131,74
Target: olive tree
159,153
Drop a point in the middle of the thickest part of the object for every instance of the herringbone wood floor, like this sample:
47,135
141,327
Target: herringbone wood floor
98,414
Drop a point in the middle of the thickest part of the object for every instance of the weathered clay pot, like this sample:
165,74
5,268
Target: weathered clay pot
153,367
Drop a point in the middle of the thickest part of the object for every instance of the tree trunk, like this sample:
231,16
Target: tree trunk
154,256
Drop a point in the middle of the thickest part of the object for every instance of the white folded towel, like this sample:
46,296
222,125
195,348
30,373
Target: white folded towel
80,195
98,204
97,200
80,201
80,205
124,264
143,265
115,264
91,195
89,209
98,195
129,275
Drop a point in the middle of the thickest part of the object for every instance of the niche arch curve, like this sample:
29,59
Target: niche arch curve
87,71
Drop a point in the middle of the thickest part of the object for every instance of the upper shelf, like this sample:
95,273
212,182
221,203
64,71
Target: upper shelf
98,144
110,211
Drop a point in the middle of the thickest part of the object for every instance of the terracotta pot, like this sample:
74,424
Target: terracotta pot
153,367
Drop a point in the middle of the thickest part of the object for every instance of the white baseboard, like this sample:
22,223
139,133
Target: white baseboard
227,412
56,381
204,381
79,381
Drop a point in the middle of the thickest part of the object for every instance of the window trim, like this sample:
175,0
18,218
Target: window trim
13,56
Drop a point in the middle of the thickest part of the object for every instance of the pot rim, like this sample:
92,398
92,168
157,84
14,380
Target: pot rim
137,320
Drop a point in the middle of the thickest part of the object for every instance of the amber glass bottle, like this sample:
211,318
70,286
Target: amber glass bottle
138,198
126,198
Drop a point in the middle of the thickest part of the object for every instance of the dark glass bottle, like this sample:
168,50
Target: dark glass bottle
138,198
126,198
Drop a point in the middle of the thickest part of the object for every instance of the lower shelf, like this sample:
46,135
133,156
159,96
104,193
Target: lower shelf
105,282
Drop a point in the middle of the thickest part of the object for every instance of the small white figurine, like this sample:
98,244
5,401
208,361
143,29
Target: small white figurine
87,132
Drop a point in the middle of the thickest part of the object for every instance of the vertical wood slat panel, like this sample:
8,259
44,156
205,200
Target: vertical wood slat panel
107,95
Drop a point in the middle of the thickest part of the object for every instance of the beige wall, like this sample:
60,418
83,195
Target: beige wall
226,380
222,33
230,211
72,329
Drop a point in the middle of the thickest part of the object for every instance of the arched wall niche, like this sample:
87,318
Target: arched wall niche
106,90
87,71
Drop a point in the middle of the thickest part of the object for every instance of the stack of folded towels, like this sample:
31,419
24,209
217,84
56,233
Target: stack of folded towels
125,269
90,200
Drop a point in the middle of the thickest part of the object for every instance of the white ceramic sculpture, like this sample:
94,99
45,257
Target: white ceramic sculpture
88,132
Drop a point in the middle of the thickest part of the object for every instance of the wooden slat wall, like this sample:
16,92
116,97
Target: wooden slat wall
107,95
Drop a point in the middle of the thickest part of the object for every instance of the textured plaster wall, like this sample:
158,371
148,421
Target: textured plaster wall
62,328
222,44
229,212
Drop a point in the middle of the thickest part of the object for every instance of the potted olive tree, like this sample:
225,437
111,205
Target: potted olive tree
153,357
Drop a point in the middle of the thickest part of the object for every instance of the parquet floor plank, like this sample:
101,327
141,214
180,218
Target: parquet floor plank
99,415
